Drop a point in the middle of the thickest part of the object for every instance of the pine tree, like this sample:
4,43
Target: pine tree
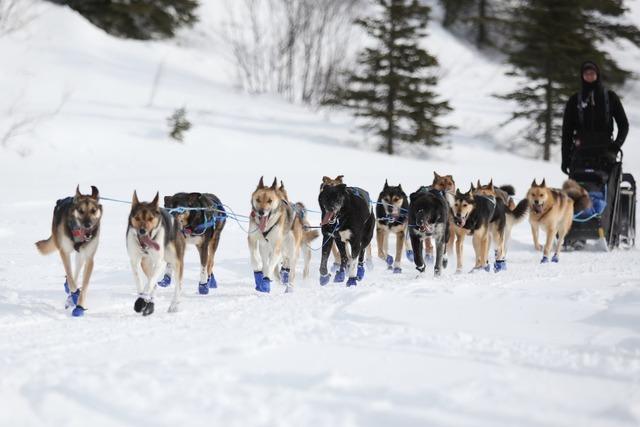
479,17
136,19
551,39
393,87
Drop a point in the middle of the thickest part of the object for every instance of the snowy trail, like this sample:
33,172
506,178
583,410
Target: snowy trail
533,346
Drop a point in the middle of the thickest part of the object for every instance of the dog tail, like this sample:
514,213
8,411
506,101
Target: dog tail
301,213
45,247
578,194
519,212
508,189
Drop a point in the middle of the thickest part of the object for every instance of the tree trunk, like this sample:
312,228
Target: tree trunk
548,121
481,40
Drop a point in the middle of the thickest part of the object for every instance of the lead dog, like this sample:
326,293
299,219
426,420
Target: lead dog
153,241
201,224
75,228
278,233
347,219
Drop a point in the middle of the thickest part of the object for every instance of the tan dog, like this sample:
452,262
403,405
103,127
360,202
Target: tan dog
277,235
552,209
75,228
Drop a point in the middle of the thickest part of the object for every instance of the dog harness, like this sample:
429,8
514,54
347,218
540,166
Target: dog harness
79,234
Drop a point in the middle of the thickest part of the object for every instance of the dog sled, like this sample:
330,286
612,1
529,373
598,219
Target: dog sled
611,218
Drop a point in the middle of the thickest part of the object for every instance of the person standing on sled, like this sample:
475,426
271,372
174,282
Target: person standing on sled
587,125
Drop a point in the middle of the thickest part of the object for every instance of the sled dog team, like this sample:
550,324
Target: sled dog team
438,216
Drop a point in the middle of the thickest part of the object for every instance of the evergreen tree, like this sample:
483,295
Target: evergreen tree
551,38
136,19
393,87
478,17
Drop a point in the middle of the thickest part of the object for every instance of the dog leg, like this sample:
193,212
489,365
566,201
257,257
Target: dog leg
345,261
203,283
327,245
213,247
79,261
551,234
66,263
418,258
440,249
534,233
177,292
86,276
399,249
477,248
428,249
254,252
381,237
459,252
354,256
337,258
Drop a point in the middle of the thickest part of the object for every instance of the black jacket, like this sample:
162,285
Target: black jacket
594,127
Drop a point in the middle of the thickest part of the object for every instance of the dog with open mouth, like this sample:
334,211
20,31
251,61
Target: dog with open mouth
75,229
429,218
201,218
278,233
347,219
392,213
154,240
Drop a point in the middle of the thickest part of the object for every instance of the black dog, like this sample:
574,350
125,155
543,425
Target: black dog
392,213
429,217
201,228
346,217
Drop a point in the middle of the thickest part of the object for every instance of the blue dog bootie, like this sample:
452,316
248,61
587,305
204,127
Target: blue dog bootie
324,279
165,281
72,299
487,267
409,254
428,258
78,311
389,262
340,276
555,258
397,270
66,286
544,260
203,288
353,281
257,277
213,284
284,275
265,286
500,265
360,272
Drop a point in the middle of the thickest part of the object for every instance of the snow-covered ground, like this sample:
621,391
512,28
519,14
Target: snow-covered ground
551,345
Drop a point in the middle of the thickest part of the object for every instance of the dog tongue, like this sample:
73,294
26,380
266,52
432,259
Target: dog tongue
262,225
326,219
146,240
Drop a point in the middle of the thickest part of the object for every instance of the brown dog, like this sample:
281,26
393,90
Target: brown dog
75,228
552,209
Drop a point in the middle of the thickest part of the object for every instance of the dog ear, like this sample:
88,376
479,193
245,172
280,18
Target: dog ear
78,194
274,185
458,192
386,184
491,184
260,183
534,183
543,183
155,200
135,202
474,188
479,185
400,187
281,185
339,178
95,194
326,179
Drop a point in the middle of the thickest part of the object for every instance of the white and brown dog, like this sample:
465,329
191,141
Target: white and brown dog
75,228
278,232
153,240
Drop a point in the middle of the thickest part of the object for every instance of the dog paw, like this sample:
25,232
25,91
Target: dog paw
555,258
265,286
436,272
500,265
203,288
409,254
544,260
166,281
139,305
340,276
445,262
284,276
148,308
324,279
174,307
397,270
421,268
66,287
428,258
352,282
389,260
360,272
213,284
78,311
257,277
